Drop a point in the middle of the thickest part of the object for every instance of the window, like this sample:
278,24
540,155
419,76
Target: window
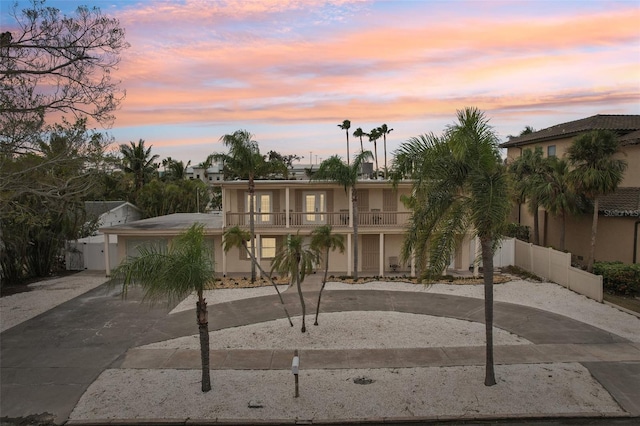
267,249
551,151
261,204
314,203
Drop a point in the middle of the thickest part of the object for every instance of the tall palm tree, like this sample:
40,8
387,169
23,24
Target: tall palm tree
137,160
595,172
527,171
323,240
236,237
359,133
244,161
185,266
374,135
460,184
296,260
557,195
384,131
335,170
346,125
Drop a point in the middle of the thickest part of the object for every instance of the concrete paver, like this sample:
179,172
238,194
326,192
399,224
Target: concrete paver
49,361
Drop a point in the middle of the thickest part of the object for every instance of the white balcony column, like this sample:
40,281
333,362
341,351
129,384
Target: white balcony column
286,208
258,243
107,261
381,255
224,209
349,256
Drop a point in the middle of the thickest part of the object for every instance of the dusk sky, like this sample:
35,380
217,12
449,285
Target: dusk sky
290,71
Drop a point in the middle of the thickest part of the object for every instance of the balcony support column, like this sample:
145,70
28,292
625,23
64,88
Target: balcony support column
224,262
381,254
286,208
258,241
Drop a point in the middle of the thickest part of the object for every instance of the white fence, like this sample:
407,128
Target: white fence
556,266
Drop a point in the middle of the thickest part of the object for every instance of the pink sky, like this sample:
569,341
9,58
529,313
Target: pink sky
290,71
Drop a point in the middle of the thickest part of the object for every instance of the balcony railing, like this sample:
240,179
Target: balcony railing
311,220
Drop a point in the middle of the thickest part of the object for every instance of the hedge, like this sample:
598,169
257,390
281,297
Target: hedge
619,278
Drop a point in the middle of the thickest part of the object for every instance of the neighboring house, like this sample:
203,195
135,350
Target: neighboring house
110,213
212,175
285,207
619,215
88,253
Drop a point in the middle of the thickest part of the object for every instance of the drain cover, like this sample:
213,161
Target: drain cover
363,381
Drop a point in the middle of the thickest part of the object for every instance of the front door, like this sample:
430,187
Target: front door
314,203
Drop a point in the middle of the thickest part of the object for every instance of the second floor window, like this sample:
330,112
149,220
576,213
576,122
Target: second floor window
314,204
551,151
262,206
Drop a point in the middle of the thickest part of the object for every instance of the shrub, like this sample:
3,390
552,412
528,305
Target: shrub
518,231
619,278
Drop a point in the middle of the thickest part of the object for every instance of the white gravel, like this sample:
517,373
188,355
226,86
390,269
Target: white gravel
551,389
350,330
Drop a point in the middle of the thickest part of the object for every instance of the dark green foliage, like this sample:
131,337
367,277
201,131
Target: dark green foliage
515,230
619,278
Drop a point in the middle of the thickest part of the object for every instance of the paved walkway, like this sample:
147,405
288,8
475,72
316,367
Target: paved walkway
48,362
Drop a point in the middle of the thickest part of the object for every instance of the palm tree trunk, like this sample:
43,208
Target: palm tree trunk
487,265
385,155
361,145
298,284
253,260
594,231
203,329
375,149
324,281
348,152
354,202
252,227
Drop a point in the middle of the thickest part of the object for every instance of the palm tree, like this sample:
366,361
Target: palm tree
527,171
460,183
138,161
384,131
359,133
236,237
374,135
296,260
185,266
244,161
335,170
322,240
557,195
346,125
595,172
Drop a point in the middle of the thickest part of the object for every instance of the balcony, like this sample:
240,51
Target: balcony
312,220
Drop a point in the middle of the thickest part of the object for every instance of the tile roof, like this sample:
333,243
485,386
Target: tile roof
624,125
95,208
622,202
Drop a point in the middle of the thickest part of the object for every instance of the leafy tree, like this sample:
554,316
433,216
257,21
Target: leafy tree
556,194
274,156
138,161
159,198
296,260
41,198
244,161
460,183
595,172
185,266
346,125
174,169
359,133
73,54
527,130
384,131
335,170
527,172
374,135
236,237
324,241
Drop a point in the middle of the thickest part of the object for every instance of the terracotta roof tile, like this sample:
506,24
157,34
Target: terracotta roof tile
623,202
625,125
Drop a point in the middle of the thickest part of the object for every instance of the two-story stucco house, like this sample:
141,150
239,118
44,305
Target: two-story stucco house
285,207
619,215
